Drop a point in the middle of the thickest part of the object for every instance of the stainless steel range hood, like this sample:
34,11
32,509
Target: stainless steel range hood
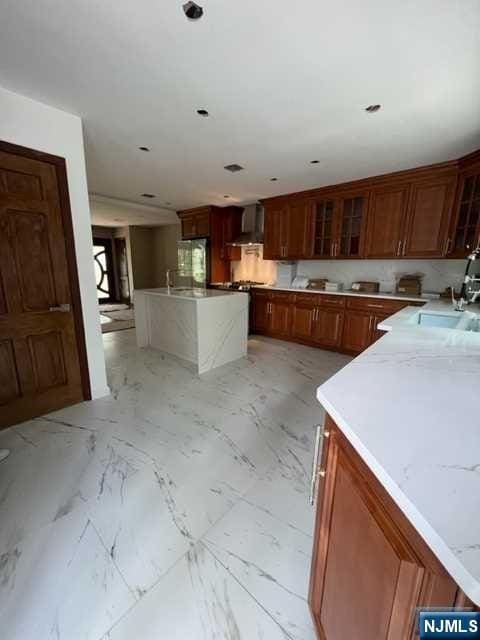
252,224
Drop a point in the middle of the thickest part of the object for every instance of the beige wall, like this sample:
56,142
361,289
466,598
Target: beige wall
141,251
165,251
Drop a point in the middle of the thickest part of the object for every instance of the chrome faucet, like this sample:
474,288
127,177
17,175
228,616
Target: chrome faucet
467,292
167,278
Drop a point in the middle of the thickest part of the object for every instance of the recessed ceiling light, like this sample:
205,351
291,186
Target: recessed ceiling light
192,10
226,196
273,179
168,203
373,108
314,161
203,112
144,148
233,168
148,195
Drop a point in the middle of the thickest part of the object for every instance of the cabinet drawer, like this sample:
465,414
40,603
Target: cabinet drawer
331,301
376,304
307,299
282,296
261,293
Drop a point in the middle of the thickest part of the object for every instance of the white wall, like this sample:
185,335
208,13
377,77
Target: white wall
38,126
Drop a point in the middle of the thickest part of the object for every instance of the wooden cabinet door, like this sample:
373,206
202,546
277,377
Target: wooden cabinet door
386,219
328,327
189,229
428,219
357,331
195,223
303,314
280,316
370,568
352,224
376,334
41,338
365,578
298,231
325,228
466,229
274,231
260,312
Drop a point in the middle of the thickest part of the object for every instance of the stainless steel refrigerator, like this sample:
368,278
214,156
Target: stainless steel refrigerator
193,266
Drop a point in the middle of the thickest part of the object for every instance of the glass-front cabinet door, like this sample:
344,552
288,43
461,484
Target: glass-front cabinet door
466,237
352,212
325,229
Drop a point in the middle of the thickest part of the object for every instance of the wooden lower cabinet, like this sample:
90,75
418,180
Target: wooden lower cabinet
341,323
370,568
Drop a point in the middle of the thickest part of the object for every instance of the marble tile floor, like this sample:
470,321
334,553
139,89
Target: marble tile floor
176,508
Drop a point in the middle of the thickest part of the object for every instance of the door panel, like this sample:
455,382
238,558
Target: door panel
325,228
328,327
352,227
260,313
298,231
303,321
429,218
39,353
356,331
280,312
386,218
274,232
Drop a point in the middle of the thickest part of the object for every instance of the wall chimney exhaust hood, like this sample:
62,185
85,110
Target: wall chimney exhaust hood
252,224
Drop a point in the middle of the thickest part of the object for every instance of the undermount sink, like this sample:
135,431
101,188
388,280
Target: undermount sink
438,320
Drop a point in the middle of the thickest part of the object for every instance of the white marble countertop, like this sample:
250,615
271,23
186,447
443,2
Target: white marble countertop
188,294
380,294
409,406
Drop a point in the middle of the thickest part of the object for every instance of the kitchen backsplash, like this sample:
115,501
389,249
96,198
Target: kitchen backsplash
437,274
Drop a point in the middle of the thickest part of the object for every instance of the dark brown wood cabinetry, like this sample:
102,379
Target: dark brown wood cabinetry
220,225
408,214
370,568
342,323
465,232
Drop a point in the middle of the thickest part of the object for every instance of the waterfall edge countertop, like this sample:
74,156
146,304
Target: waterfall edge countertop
203,327
409,405
188,294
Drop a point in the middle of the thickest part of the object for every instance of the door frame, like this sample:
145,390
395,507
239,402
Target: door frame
66,213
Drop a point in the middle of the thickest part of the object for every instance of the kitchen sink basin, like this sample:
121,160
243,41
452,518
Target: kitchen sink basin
438,320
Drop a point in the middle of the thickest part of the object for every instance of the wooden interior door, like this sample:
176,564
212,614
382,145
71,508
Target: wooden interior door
428,219
41,340
386,217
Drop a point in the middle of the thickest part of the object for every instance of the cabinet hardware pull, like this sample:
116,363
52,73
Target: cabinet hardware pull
315,467
404,250
399,248
448,246
375,306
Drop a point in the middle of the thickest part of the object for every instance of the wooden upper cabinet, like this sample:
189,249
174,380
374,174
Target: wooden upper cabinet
370,568
324,228
351,227
386,220
274,231
466,222
298,230
195,223
428,219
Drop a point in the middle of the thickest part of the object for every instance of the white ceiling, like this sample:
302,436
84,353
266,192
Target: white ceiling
285,83
110,212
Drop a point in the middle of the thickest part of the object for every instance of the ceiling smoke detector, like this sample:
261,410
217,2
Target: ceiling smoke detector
192,10
233,168
203,112
373,108
144,148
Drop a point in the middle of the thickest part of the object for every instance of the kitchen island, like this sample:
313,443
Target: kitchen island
203,327
398,523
